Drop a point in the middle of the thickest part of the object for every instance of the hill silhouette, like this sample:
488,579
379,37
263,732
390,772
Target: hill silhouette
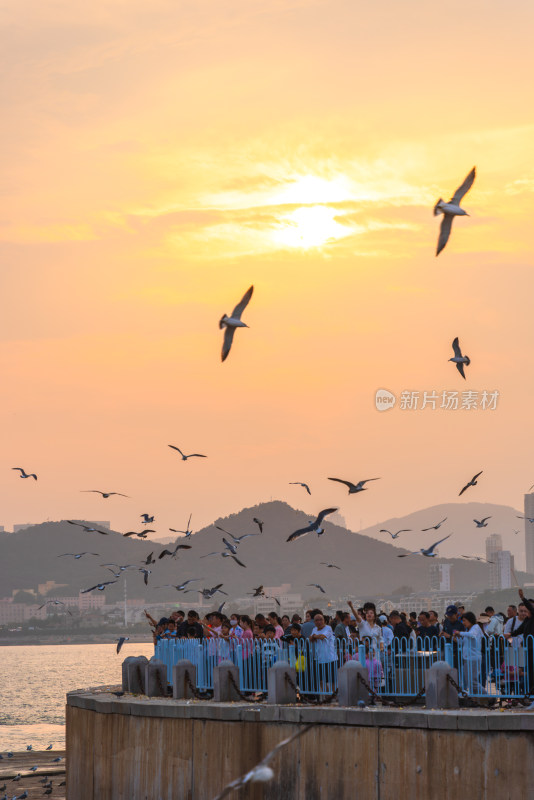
368,567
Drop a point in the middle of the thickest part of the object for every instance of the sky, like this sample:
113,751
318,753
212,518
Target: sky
159,158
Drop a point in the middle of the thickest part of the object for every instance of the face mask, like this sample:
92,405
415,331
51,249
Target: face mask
233,622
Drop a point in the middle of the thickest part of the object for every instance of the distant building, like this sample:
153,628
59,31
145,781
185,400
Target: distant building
437,601
440,577
21,526
2,529
504,567
493,546
289,603
19,612
337,519
49,586
529,532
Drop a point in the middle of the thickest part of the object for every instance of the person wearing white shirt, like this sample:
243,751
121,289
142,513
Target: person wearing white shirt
325,652
513,622
471,654
369,628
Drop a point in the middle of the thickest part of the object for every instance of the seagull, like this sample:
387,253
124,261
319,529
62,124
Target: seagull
78,555
315,525
121,641
173,552
259,523
479,558
516,532
317,586
262,772
228,545
326,564
208,593
257,592
146,573
86,528
472,482
481,523
120,567
231,555
184,457
459,359
530,519
49,747
24,474
54,603
141,534
452,209
180,587
531,488
99,586
354,488
428,551
244,536
434,527
232,322
105,494
299,483
221,607
146,518
395,535
188,531
29,747
149,560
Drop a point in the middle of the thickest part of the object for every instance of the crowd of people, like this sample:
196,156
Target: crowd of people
479,642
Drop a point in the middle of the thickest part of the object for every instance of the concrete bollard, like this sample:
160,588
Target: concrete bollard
223,688
136,674
281,683
125,672
350,688
181,689
156,678
439,692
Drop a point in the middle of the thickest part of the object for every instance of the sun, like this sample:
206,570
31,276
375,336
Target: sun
309,226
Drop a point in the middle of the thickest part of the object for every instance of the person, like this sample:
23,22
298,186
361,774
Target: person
471,646
401,630
325,652
285,622
426,632
434,620
192,621
368,627
513,622
247,637
236,631
170,631
344,630
495,625
526,630
276,622
387,630
308,626
451,623
260,621
374,668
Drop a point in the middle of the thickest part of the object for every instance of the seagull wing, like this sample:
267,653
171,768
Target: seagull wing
259,523
300,532
433,546
476,476
456,348
444,232
323,514
485,519
347,483
464,188
237,561
460,368
227,341
222,529
195,455
243,303
165,553
175,448
467,485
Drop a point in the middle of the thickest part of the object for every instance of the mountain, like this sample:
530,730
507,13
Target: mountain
369,567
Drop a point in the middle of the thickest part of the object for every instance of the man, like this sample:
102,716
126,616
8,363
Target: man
425,630
307,627
434,620
344,630
526,630
192,621
514,621
451,623
325,652
400,629
495,625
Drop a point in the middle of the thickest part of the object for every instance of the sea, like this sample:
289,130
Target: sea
36,679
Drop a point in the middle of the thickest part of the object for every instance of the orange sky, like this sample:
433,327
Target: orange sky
160,158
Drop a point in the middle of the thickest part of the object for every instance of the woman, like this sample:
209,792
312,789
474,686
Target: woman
276,622
285,623
471,654
368,627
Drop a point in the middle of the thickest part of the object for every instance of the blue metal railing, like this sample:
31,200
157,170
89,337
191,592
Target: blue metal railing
496,669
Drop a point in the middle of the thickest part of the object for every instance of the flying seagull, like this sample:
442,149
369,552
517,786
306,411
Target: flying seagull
459,359
54,603
481,523
258,592
78,555
105,494
121,641
232,555
244,536
299,483
232,322
228,545
172,553
146,573
434,527
530,519
188,531
452,209
472,482
208,593
181,586
99,586
259,523
146,518
428,551
142,534
24,474
479,558
184,457
326,564
315,525
149,560
262,772
317,586
87,528
395,535
354,488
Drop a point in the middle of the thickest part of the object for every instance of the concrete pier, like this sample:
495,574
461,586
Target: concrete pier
141,748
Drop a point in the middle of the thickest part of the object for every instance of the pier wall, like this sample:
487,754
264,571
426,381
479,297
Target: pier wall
163,749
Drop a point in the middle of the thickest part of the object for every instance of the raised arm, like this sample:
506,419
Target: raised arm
528,605
354,611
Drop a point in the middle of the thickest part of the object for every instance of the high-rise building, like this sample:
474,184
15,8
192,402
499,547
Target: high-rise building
493,546
440,577
505,566
529,532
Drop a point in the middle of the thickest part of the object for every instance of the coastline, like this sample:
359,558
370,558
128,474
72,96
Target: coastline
28,641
